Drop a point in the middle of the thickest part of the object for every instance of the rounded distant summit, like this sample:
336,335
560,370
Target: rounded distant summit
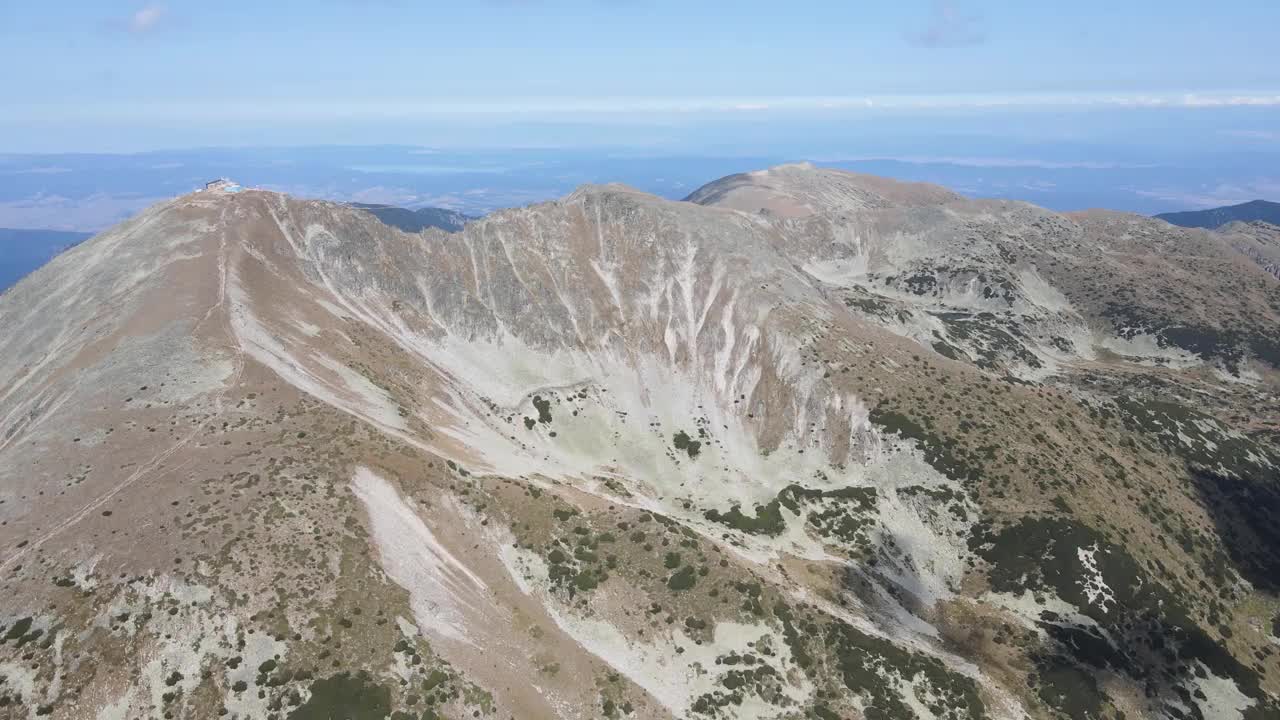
802,189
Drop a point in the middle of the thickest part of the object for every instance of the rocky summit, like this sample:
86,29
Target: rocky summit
808,444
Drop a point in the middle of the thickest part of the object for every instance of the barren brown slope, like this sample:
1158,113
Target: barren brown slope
617,456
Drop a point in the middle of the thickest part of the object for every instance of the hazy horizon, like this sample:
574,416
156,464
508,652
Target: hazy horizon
1147,107
134,76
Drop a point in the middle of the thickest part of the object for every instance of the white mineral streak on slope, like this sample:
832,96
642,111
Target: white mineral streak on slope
508,386
915,695
82,573
677,679
843,260
307,328
372,400
1039,293
642,661
199,634
1221,697
849,268
20,680
611,434
1095,587
840,272
1145,349
674,679
442,590
258,648
523,567
850,261
934,542
118,710
351,393
1247,374
629,391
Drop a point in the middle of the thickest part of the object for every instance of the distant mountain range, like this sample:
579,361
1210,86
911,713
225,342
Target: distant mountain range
1252,211
22,251
417,220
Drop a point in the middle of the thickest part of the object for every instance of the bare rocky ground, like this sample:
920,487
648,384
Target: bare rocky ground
807,445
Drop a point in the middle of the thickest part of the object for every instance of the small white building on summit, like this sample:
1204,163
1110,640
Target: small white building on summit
222,185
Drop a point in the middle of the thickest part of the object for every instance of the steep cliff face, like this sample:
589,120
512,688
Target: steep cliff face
811,444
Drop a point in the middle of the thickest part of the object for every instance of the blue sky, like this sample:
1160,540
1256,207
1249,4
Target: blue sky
107,75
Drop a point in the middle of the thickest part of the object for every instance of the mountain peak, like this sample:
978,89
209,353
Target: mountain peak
1252,211
605,189
877,447
801,189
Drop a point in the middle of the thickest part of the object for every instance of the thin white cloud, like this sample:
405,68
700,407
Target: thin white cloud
39,170
1260,135
1219,195
1192,100
984,162
146,19
220,109
948,26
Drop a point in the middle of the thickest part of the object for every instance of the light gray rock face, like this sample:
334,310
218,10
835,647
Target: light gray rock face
1259,241
810,444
